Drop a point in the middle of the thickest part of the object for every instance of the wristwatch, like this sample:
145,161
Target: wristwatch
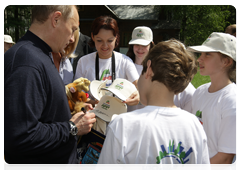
73,128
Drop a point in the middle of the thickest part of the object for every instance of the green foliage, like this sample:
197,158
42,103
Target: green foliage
199,21
17,20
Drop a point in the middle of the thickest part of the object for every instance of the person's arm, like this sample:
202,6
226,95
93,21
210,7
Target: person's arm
132,75
26,129
134,98
135,83
222,158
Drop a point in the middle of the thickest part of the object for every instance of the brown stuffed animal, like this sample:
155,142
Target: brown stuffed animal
76,97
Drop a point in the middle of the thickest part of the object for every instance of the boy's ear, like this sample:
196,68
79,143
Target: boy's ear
149,72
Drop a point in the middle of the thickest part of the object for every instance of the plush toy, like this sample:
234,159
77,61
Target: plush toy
76,96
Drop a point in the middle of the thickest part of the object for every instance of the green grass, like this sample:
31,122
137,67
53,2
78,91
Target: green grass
198,80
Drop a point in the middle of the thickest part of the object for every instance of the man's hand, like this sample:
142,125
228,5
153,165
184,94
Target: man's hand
84,122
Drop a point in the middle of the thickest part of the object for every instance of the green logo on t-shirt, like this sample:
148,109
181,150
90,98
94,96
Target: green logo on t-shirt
178,154
199,114
104,73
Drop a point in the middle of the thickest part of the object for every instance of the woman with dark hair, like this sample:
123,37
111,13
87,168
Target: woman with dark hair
107,64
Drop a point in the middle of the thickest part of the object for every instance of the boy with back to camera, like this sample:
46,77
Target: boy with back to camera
160,132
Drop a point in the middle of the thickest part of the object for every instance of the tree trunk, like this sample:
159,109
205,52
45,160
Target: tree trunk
16,26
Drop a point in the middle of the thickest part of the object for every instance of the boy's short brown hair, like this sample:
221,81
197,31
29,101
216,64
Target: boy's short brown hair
171,64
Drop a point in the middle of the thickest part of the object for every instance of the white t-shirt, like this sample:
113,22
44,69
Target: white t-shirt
124,68
218,115
155,135
139,68
182,100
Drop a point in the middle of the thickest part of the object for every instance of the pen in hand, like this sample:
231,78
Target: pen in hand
84,110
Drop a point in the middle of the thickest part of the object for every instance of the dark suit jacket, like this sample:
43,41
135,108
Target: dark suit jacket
82,49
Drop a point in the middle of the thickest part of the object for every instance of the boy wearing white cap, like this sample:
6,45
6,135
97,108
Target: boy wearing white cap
215,102
159,133
8,42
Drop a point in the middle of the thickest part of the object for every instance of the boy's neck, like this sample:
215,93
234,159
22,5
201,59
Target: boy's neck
159,95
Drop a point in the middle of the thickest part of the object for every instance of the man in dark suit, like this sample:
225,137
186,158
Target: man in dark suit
82,49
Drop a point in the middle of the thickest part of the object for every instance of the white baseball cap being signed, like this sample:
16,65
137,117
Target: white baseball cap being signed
121,88
95,88
109,106
218,42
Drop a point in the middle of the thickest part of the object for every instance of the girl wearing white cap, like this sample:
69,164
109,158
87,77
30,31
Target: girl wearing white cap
215,102
139,46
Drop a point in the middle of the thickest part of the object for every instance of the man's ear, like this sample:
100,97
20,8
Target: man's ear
55,18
